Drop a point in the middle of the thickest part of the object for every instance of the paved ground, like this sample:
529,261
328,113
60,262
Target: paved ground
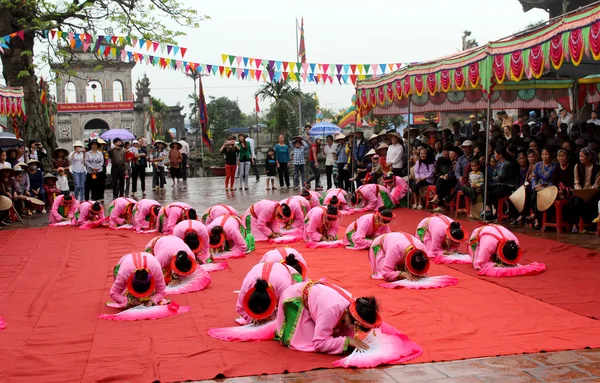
569,366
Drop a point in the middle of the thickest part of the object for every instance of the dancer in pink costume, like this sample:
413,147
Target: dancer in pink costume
121,212
396,186
263,219
289,257
312,197
88,212
63,209
442,236
361,233
395,256
195,236
173,213
179,265
260,292
216,211
322,225
145,215
300,208
138,280
371,197
496,253
340,200
228,238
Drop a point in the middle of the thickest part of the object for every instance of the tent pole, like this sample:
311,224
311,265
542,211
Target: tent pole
407,148
487,131
352,159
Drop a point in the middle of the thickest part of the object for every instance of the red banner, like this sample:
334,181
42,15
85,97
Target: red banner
94,107
419,119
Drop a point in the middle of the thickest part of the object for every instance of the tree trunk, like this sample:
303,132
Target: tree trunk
37,126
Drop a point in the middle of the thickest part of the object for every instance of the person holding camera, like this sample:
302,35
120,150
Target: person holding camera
117,159
230,150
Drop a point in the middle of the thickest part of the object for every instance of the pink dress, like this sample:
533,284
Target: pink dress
360,233
127,266
61,210
387,252
313,324
260,219
299,207
202,253
341,195
232,227
432,232
164,251
118,212
142,219
83,214
170,215
217,211
375,196
279,254
314,229
398,189
483,252
315,199
279,279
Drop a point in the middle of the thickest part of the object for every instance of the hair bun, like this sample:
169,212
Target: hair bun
291,260
455,225
261,285
332,210
334,200
369,301
181,254
141,275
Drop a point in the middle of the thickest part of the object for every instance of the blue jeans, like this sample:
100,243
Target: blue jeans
298,172
79,185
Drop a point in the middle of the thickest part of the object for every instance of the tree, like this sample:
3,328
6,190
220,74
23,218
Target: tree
78,16
160,111
467,42
285,98
309,107
224,114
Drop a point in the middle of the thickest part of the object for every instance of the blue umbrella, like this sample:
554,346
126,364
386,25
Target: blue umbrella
324,129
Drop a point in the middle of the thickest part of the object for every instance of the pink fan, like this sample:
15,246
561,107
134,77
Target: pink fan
197,281
92,225
62,223
324,245
228,255
124,227
423,283
530,269
288,238
456,258
142,312
146,231
2,323
212,267
383,348
247,333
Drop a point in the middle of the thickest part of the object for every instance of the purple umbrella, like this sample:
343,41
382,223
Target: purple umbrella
114,133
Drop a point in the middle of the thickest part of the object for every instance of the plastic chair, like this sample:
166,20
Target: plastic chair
588,226
429,196
501,216
467,204
559,224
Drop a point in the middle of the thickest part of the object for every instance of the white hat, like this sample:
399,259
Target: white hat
370,153
78,143
372,137
467,143
135,142
339,136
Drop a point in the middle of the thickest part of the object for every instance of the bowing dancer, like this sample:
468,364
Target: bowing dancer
264,218
300,208
289,257
63,209
337,198
120,213
442,237
138,280
89,214
195,235
173,213
396,186
361,233
145,215
321,228
216,211
311,196
228,238
260,292
496,253
370,197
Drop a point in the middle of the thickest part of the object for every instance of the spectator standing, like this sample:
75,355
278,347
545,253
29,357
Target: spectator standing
138,167
230,150
298,147
77,160
158,163
175,160
313,161
129,156
329,150
185,152
244,161
271,168
282,156
255,170
116,154
341,160
94,161
60,159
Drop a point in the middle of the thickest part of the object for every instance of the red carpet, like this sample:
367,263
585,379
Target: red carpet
54,283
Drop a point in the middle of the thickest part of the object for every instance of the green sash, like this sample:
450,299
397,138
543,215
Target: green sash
116,270
292,309
421,233
61,211
349,236
248,221
387,201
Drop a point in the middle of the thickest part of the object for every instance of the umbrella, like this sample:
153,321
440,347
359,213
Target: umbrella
9,140
114,133
324,129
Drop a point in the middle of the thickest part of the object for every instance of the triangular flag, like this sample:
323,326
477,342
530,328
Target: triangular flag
246,71
305,67
325,68
114,39
312,68
398,65
221,69
360,68
223,58
259,75
353,78
209,68
21,34
382,67
72,43
367,67
311,77
345,78
271,65
258,62
106,50
53,33
149,44
338,68
361,76
176,49
231,59
391,66
285,65
346,68
353,67
162,48
245,61
374,67
129,54
86,46
304,75
142,42
251,61
121,40
252,74
238,60
183,51
293,77
292,67
285,75
59,34
45,33
133,42
215,69
169,49
271,74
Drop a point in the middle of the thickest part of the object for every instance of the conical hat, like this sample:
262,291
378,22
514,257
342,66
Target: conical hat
518,198
585,194
370,153
5,203
546,197
36,201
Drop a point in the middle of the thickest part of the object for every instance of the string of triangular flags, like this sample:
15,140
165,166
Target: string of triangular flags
4,40
293,66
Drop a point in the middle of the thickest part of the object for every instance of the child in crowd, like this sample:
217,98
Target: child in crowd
298,160
476,181
50,189
271,168
129,157
62,182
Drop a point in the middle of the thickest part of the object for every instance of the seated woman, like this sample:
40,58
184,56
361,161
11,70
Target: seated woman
120,213
322,225
398,255
371,197
543,173
336,197
173,213
396,186
424,170
502,181
313,197
216,211
445,177
587,176
145,215
195,236
177,262
289,257
88,212
261,290
227,235
138,280
263,219
361,233
496,253
441,235
63,209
